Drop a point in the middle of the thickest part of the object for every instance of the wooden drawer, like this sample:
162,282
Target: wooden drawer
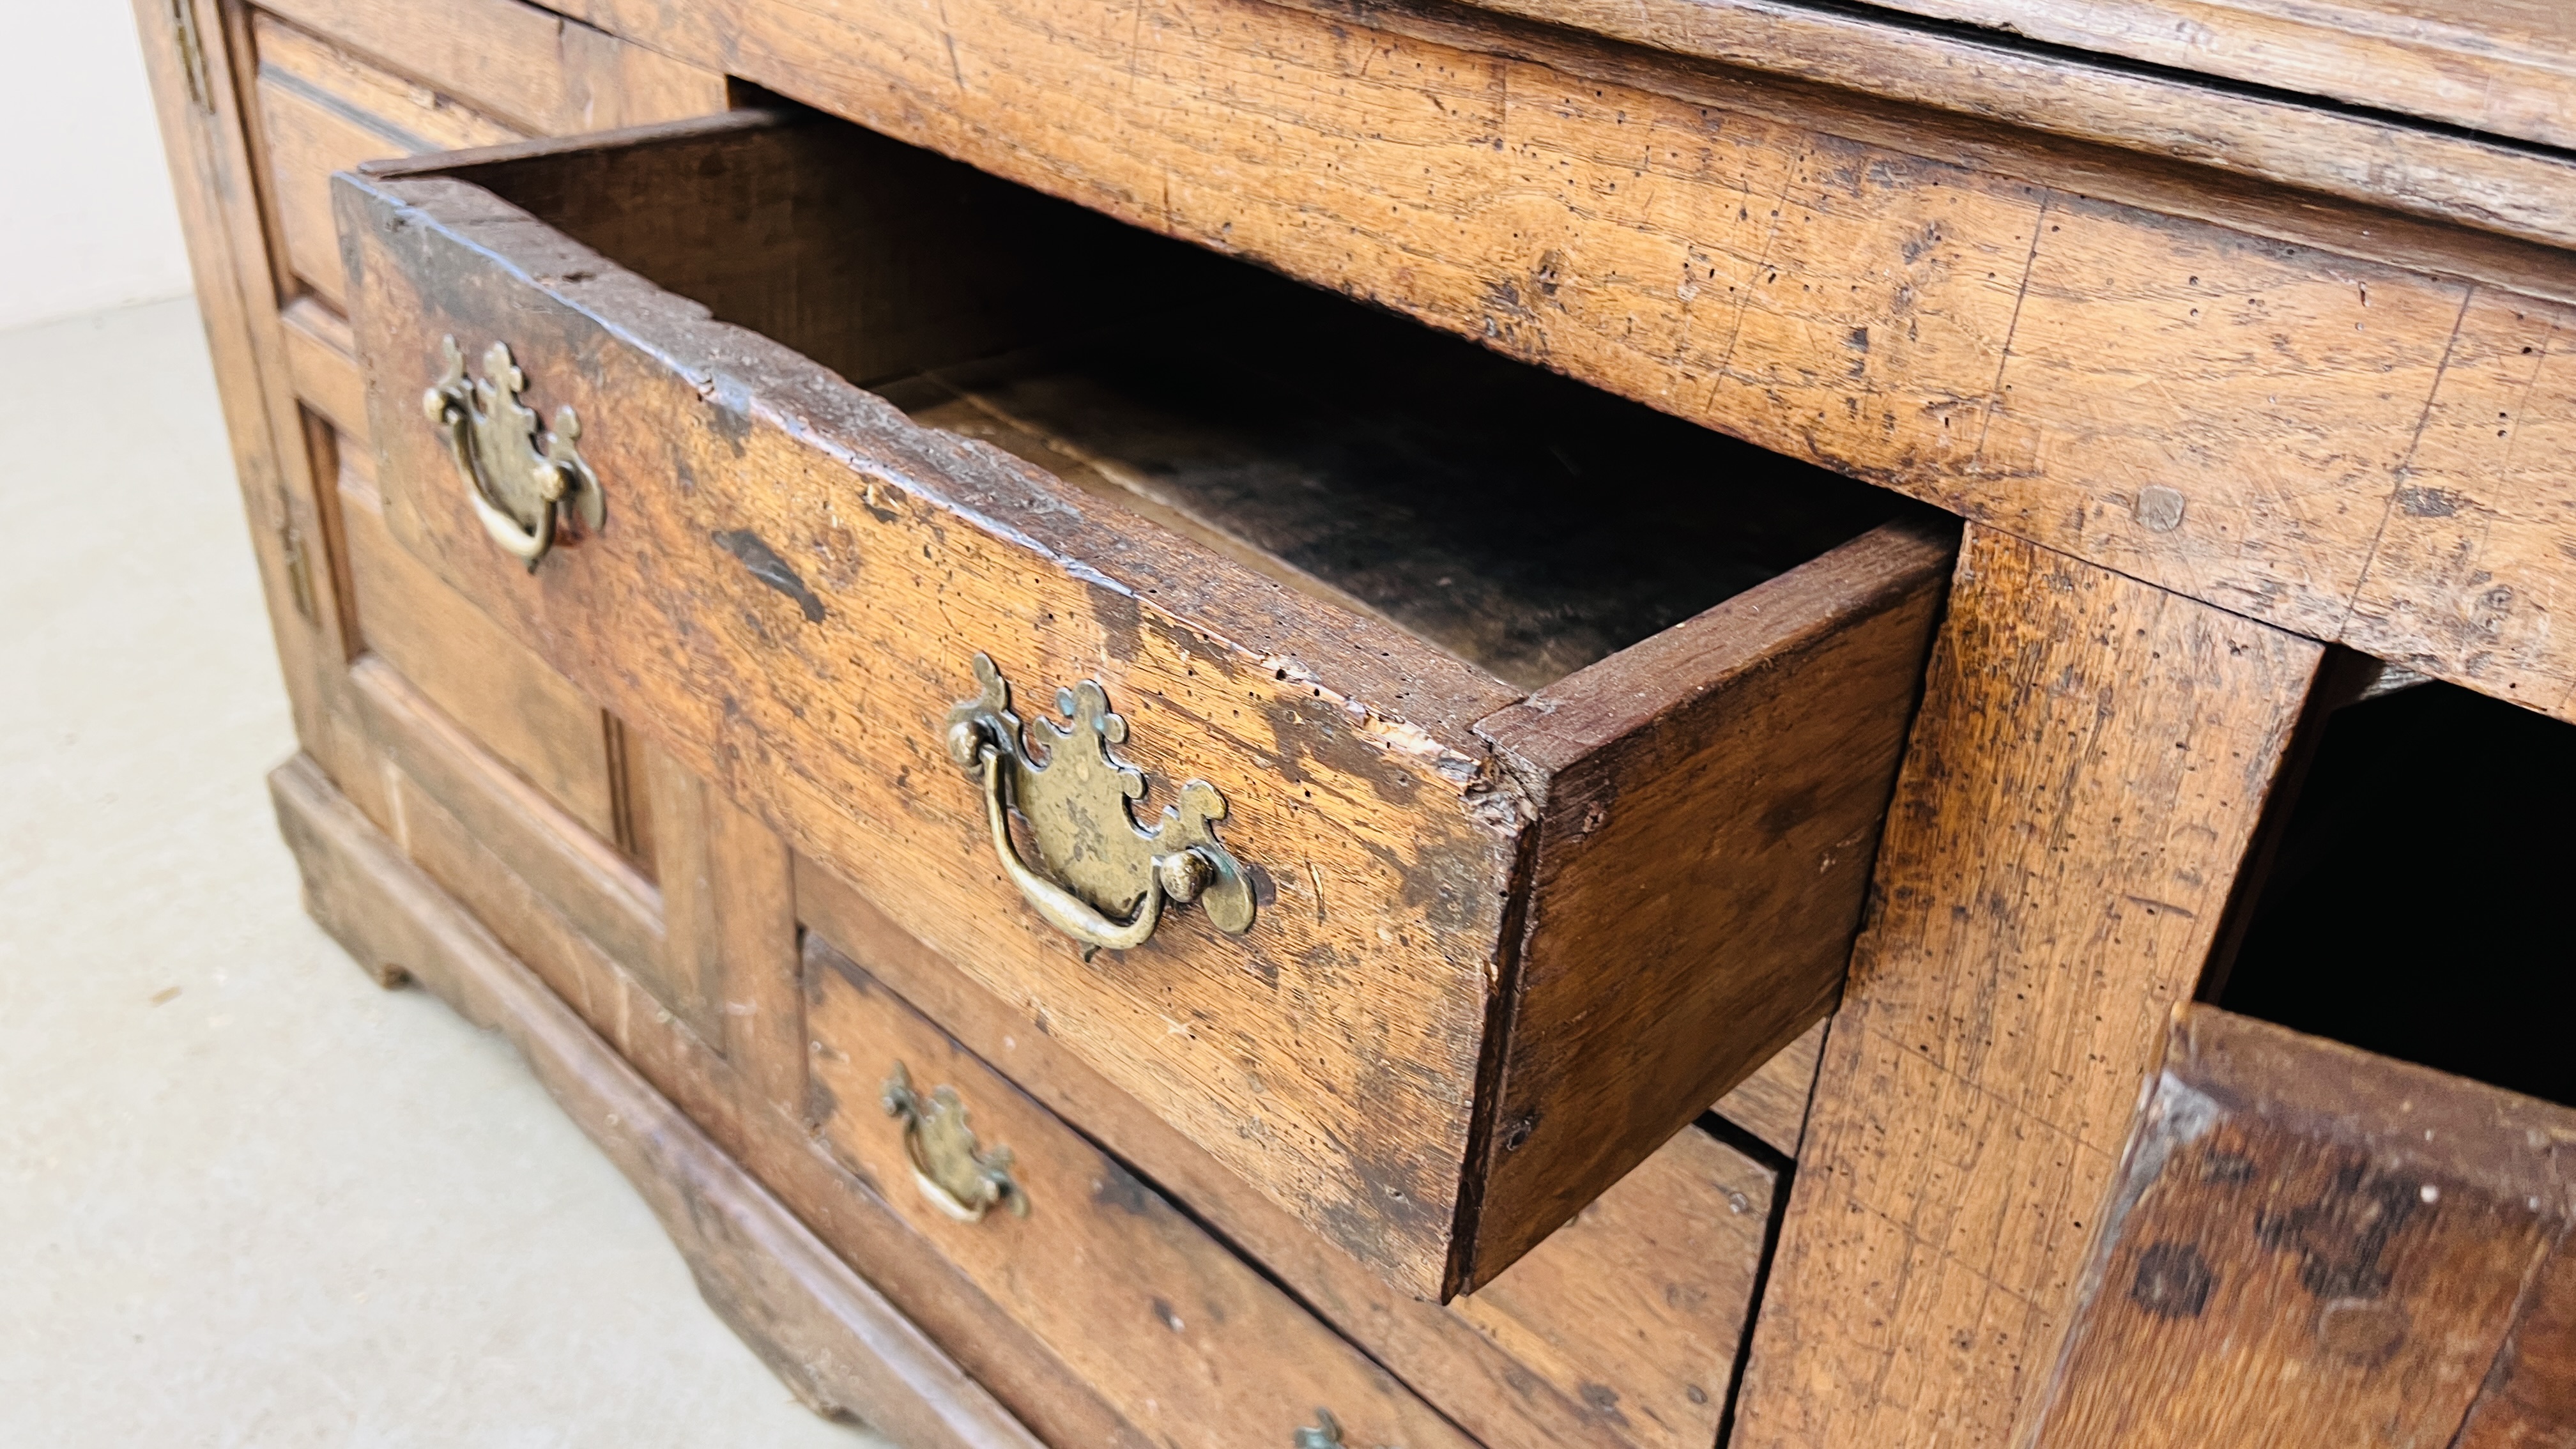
1621,1331
1552,736
1154,1314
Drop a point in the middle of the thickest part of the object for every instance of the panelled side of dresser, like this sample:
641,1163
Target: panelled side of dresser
458,810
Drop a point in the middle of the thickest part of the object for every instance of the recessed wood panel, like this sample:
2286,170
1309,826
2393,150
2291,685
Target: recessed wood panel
504,696
322,110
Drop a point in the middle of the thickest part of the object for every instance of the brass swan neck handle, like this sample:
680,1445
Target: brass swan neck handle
1061,908
1104,886
521,491
961,1177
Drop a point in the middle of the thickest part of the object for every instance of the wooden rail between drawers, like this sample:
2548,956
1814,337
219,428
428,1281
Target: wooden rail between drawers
2085,776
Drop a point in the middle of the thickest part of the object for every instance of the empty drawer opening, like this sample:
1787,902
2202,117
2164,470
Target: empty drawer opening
2415,906
1523,522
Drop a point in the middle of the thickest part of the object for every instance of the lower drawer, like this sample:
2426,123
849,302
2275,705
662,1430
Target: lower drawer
1621,1331
1184,1338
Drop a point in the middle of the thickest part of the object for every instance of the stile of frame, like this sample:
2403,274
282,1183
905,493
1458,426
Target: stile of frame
2086,773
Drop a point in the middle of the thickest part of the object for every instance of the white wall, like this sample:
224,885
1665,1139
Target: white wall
86,219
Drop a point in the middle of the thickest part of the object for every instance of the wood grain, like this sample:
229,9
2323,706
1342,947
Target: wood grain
2529,1398
526,67
322,110
2311,1244
1993,75
762,991
2466,568
1626,1302
687,976
835,1340
1153,1313
1618,1330
1412,476
606,897
324,370
2086,771
2035,316
1709,805
2487,65
479,676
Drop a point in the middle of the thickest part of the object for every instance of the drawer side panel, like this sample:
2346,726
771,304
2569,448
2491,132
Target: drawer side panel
1712,802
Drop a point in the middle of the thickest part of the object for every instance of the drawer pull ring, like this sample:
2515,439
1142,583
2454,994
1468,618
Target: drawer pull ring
522,492
1110,884
960,1179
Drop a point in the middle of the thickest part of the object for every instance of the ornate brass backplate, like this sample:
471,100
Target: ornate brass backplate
960,1179
1106,878
525,493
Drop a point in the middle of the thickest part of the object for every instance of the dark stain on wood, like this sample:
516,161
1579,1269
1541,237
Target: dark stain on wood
1121,1191
2173,1281
2341,1235
770,569
2328,1247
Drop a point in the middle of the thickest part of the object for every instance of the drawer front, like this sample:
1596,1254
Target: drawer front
1187,1341
790,591
1479,919
1619,1332
2308,1244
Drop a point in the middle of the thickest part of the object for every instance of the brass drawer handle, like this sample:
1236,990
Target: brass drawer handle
521,492
960,1179
1115,882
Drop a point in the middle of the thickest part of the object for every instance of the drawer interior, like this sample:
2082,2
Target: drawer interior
2412,904
1520,521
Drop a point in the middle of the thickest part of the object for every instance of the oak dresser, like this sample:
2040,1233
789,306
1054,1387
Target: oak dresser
1263,722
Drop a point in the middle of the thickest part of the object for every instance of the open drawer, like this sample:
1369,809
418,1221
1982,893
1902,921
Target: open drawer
1425,782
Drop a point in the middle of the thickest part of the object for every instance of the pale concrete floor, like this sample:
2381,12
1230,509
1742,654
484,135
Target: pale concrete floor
245,1196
